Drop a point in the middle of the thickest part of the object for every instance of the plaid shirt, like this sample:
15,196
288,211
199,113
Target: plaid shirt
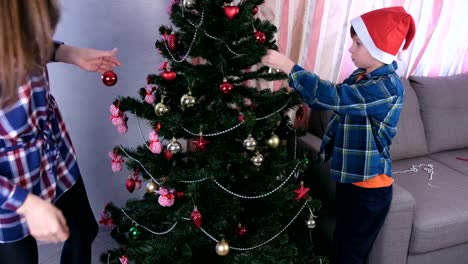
36,154
366,113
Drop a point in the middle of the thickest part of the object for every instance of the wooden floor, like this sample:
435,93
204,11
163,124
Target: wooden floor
50,253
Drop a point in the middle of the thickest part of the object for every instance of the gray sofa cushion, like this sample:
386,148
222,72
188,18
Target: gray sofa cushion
443,102
449,159
441,214
410,140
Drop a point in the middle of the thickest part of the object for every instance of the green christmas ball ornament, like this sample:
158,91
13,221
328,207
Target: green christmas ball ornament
134,232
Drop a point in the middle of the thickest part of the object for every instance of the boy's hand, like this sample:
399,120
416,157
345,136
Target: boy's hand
45,221
276,60
88,59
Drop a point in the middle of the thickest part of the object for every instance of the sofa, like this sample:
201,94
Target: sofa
428,217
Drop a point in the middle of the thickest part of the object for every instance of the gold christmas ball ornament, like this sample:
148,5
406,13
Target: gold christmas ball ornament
222,248
174,146
310,223
151,187
274,141
189,4
161,109
257,160
250,143
187,100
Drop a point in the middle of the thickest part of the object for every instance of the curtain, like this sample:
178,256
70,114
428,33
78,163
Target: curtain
315,34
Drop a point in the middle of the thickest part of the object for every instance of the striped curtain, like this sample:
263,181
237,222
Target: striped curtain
315,34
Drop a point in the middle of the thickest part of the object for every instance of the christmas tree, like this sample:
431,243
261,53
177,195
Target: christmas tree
223,181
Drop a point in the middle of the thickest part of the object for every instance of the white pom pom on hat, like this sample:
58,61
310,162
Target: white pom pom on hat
383,31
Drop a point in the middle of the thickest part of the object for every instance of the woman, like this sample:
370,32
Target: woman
42,196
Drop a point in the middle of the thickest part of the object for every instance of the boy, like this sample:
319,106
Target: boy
366,109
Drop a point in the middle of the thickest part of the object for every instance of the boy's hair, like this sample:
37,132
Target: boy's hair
352,32
383,31
26,29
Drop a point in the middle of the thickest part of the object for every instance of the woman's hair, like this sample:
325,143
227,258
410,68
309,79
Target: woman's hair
26,30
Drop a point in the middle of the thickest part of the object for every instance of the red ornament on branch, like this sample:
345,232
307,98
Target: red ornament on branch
109,78
231,11
255,10
225,87
241,230
130,184
301,192
172,42
196,217
260,37
300,113
168,74
200,144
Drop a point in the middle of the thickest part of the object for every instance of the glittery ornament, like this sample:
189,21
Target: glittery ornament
196,217
109,78
172,42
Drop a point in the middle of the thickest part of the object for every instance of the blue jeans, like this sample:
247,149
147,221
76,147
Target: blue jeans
360,215
83,228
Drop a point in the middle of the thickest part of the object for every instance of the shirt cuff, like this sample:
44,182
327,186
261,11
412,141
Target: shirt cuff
16,199
292,76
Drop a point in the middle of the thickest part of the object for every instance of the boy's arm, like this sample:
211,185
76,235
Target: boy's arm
367,99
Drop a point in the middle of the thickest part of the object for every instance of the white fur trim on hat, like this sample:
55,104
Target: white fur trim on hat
361,31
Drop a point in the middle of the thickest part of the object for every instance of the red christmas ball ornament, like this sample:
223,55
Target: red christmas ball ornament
225,87
255,10
109,78
179,195
300,113
172,42
168,75
196,217
240,118
130,184
260,37
231,11
241,230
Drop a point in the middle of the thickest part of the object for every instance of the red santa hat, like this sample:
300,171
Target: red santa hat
383,31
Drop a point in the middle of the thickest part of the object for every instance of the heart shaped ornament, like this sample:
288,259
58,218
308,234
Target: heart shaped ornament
231,11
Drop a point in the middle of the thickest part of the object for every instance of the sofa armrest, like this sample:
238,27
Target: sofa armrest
392,242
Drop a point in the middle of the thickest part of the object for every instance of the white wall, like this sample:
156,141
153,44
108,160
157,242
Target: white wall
131,26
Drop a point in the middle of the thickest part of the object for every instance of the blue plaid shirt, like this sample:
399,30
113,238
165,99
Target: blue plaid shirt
366,113
36,154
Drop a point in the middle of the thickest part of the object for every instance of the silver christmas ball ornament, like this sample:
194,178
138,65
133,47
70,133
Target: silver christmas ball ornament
257,160
174,146
187,100
161,109
250,143
189,4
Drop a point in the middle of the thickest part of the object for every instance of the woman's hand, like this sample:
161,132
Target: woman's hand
45,221
276,60
92,60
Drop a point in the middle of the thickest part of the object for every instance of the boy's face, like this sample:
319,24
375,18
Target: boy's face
361,56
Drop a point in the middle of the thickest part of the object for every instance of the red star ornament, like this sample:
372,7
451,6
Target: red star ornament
200,144
301,192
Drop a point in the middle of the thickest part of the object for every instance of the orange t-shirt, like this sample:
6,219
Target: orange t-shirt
378,181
